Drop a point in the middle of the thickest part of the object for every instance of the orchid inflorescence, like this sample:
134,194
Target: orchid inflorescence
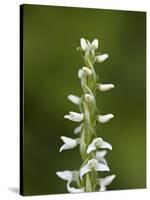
92,148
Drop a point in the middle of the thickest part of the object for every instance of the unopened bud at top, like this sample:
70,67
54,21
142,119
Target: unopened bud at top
95,43
83,44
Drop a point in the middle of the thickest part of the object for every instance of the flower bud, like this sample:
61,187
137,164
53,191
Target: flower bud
74,116
87,70
83,44
105,118
105,87
95,44
101,58
74,99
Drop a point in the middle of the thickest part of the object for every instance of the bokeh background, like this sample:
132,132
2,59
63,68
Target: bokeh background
50,38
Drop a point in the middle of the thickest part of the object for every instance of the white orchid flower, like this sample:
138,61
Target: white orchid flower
87,71
98,143
70,176
103,182
95,43
100,156
84,71
93,164
105,118
105,87
85,44
78,129
101,58
74,99
66,175
74,116
69,143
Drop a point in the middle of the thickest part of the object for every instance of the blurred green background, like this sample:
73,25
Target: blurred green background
50,38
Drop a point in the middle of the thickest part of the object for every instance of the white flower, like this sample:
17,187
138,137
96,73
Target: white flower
105,87
74,99
74,116
83,44
95,44
101,58
70,176
105,118
65,175
84,71
98,143
103,182
89,98
78,129
69,143
87,70
93,164
100,156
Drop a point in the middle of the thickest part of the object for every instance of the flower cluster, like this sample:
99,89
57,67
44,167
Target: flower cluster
93,149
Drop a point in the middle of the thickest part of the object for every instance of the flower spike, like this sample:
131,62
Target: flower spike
93,149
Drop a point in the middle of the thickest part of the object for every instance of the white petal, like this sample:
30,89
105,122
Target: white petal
87,70
100,156
78,129
80,73
83,44
65,175
105,118
101,153
101,167
106,181
98,143
95,44
74,99
89,98
91,147
74,190
69,143
105,87
101,58
74,116
106,145
85,169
